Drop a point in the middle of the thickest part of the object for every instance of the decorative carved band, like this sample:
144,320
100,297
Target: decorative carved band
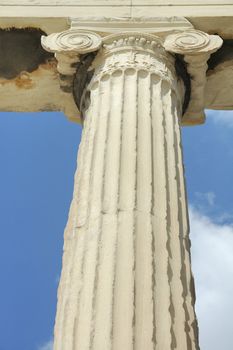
142,41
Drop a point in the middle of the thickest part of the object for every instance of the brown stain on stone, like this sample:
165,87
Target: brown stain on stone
25,84
24,81
27,80
50,65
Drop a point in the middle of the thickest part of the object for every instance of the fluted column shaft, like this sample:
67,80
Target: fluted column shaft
126,282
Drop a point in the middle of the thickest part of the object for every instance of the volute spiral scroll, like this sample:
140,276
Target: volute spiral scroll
80,41
192,42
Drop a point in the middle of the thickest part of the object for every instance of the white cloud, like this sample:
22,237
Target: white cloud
212,262
224,118
206,197
47,346
225,217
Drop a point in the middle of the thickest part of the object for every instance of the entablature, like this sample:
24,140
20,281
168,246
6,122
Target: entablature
210,16
43,85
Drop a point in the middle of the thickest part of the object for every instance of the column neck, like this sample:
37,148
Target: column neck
133,51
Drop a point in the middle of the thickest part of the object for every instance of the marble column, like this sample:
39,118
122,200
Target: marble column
126,280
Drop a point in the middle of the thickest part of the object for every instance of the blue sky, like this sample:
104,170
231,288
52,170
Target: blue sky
38,160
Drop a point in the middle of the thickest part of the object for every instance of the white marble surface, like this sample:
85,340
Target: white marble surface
116,2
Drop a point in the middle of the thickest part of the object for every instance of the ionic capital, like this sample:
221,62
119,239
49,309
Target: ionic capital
76,49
